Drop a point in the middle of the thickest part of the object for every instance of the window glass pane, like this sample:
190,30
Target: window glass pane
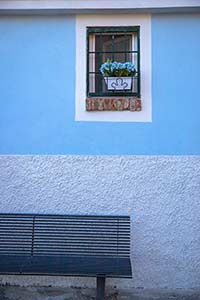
134,42
134,60
98,62
128,42
98,83
122,42
91,62
91,83
91,42
135,83
98,42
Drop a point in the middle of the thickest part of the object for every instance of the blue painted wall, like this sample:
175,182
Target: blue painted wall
37,91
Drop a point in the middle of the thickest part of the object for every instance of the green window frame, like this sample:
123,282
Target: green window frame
96,55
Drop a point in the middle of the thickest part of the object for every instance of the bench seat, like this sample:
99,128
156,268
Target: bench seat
66,266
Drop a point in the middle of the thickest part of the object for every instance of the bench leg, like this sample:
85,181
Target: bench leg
100,288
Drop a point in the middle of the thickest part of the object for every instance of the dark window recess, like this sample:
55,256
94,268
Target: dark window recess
121,44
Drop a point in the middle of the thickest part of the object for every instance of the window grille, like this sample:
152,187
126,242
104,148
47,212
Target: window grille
121,44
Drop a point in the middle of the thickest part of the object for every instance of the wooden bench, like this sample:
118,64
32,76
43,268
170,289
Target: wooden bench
66,245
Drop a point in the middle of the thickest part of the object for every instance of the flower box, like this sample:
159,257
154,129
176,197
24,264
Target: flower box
118,76
118,83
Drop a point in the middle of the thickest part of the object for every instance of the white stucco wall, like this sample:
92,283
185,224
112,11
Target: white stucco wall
160,193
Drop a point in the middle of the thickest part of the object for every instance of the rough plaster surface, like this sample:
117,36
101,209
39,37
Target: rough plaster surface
160,193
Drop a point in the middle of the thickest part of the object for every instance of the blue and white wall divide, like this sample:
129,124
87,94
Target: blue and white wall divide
53,162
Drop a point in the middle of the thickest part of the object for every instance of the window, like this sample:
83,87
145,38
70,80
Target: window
120,44
99,108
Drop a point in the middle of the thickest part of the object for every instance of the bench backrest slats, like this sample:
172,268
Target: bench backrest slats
46,235
16,234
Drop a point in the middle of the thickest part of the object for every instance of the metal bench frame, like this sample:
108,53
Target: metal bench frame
66,245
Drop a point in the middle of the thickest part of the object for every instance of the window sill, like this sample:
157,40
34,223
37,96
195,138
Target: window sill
113,104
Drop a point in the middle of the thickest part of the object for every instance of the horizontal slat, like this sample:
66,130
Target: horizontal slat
76,231
76,228
17,216
11,244
17,224
11,228
82,220
66,221
82,223
80,252
66,238
15,241
83,236
20,219
15,253
4,246
77,221
82,217
6,234
15,250
16,228
15,238
95,255
55,216
79,242
14,223
85,225
83,242
78,247
16,234
81,233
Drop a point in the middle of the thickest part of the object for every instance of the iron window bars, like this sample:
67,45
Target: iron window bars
117,44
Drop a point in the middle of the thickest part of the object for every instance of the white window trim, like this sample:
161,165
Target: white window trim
84,21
